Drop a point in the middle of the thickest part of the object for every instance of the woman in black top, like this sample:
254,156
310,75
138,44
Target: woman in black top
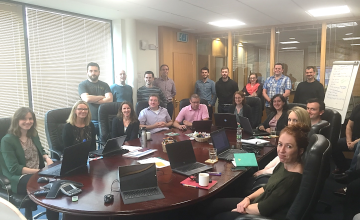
240,108
79,127
278,116
125,122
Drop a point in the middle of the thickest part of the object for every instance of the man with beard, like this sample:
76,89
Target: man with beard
225,89
94,92
311,88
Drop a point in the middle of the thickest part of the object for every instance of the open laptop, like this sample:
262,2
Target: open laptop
74,157
111,147
225,120
138,183
245,124
221,143
182,158
201,125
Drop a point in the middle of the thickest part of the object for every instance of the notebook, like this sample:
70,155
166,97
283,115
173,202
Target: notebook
182,158
221,143
138,183
225,120
245,124
201,125
74,157
112,146
245,160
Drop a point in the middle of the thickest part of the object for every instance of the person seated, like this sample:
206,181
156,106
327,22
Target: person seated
22,154
278,115
154,118
275,198
315,107
79,127
296,115
254,88
240,108
193,112
125,122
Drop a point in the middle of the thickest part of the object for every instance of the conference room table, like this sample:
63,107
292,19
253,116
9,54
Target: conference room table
100,178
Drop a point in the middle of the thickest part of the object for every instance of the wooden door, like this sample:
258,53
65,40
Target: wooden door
184,78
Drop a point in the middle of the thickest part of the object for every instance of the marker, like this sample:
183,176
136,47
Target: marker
214,173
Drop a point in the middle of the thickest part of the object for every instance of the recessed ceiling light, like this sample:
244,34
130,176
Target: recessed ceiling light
355,44
291,38
351,38
349,34
347,24
288,48
227,23
278,32
329,11
290,42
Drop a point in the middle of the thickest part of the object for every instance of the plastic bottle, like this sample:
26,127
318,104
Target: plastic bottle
238,134
143,138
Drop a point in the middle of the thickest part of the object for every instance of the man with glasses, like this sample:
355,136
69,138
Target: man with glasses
94,92
311,88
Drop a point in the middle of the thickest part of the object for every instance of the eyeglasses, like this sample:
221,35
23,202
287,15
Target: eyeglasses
82,109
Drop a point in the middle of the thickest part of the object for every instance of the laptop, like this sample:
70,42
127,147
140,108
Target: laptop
182,158
201,125
225,120
245,124
138,183
112,146
221,143
74,158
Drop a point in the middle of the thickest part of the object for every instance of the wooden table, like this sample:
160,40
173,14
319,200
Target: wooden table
101,174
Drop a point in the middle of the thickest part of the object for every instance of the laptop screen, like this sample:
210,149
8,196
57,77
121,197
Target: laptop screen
75,157
220,140
114,143
137,177
180,153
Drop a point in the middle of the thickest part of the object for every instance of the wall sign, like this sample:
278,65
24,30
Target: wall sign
182,37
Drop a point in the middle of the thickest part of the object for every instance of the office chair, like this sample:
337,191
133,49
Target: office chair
54,124
9,211
333,131
292,105
140,106
20,201
107,112
316,171
186,102
256,109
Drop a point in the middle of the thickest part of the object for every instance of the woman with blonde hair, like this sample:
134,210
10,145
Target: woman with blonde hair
79,127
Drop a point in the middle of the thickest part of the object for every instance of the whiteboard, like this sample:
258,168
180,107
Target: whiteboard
341,84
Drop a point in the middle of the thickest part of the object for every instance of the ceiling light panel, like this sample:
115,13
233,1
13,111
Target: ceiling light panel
329,11
290,42
227,23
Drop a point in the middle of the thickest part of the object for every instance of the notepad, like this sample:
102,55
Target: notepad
245,160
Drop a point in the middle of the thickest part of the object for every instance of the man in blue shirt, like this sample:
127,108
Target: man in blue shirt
276,84
205,88
121,92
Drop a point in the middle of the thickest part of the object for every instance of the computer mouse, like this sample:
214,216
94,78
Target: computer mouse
43,180
109,198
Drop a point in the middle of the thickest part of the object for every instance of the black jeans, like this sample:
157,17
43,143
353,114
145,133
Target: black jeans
170,108
338,156
220,209
210,110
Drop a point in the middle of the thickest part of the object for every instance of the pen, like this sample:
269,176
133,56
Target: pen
189,186
214,173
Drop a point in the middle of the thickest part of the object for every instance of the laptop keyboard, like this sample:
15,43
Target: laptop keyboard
229,154
141,193
55,171
190,167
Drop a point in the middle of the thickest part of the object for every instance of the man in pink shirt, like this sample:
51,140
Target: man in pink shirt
193,112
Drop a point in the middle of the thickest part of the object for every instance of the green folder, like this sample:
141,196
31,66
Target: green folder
245,160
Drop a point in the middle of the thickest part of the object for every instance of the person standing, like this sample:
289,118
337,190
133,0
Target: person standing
144,92
225,89
276,84
167,86
311,88
205,88
121,92
94,92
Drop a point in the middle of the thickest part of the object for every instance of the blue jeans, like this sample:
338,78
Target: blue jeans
354,160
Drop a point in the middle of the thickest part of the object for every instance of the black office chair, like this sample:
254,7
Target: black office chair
106,114
186,102
316,171
140,106
333,131
318,128
256,109
292,105
20,201
54,125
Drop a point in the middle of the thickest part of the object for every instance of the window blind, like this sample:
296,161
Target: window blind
13,75
60,47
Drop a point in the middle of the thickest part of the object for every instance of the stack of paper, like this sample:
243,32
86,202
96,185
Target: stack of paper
139,153
160,163
254,141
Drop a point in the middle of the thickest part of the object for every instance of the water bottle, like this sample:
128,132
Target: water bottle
238,134
143,137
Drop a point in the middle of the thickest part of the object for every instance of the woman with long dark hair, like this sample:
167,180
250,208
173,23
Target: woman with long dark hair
125,122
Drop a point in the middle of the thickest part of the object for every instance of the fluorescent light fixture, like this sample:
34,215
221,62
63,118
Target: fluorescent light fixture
278,32
227,23
355,44
291,38
340,25
288,48
290,42
351,38
329,11
349,34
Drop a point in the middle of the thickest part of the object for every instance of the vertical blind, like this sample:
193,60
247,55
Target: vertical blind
60,47
13,89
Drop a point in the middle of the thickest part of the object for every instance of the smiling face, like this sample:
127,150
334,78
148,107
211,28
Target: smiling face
292,118
27,122
252,79
149,79
278,104
287,149
204,74
93,73
310,75
126,110
82,111
278,70
153,102
314,110
238,99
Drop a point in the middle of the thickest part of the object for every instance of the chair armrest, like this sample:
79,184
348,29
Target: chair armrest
252,217
262,175
260,181
4,181
58,153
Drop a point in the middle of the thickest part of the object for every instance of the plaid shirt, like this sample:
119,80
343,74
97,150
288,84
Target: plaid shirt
274,87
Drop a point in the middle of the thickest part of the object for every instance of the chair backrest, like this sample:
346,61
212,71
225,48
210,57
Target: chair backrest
316,171
318,128
140,106
333,131
256,109
4,127
292,105
107,112
54,125
186,102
